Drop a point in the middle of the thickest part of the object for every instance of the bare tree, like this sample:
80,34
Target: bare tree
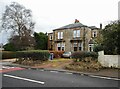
18,19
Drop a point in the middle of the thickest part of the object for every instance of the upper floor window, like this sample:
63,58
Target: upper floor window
51,37
60,35
94,34
76,33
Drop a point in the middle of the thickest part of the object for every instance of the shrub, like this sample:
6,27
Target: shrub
33,55
98,48
57,54
9,47
79,56
8,54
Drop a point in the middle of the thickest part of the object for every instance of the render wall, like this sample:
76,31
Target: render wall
109,60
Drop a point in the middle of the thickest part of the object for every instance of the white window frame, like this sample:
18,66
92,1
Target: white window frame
51,37
76,33
60,35
91,45
58,45
75,43
80,44
94,33
63,46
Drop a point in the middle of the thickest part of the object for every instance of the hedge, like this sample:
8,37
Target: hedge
33,55
8,54
82,55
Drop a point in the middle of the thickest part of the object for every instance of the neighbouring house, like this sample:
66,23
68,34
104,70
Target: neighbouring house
73,37
1,47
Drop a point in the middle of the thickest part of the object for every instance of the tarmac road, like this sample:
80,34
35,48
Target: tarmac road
43,78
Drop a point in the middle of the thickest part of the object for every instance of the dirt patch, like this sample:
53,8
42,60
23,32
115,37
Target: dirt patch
91,66
56,63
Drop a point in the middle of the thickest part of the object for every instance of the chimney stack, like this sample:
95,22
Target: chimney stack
100,25
76,21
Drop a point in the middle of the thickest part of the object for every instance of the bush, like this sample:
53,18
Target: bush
8,54
57,54
98,48
9,47
79,56
41,55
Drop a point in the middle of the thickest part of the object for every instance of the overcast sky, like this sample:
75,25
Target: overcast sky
51,14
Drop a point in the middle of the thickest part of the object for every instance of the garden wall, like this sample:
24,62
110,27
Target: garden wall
109,60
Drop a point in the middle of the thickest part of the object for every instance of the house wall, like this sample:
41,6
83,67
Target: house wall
68,35
50,41
109,60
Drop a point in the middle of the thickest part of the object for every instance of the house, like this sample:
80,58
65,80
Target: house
73,37
1,47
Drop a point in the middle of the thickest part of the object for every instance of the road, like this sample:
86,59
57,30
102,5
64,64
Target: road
21,77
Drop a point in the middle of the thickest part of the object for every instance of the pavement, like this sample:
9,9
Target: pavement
110,73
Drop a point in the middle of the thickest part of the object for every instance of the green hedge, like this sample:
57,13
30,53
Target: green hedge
82,55
8,54
33,55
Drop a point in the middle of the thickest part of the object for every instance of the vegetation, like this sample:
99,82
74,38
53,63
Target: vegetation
8,54
111,38
9,47
41,55
41,40
84,66
18,20
98,48
79,56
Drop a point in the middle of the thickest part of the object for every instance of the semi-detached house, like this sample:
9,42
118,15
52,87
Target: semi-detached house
73,37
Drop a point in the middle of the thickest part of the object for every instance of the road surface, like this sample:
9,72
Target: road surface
21,77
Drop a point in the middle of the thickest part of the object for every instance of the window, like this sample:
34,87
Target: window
80,46
60,35
76,33
75,46
59,46
94,34
63,46
90,47
51,37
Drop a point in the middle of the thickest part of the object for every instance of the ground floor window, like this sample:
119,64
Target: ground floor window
80,46
61,46
91,47
75,45
75,48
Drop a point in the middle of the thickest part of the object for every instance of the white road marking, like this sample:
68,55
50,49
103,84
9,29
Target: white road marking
54,71
7,67
11,76
104,77
68,73
41,70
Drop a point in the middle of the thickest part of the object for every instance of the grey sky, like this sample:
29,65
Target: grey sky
51,14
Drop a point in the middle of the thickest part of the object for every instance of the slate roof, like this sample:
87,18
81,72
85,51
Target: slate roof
74,25
93,27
